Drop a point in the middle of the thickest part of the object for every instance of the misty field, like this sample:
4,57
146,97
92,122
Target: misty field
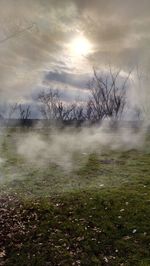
76,207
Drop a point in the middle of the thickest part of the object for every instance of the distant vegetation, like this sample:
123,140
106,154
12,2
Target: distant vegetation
107,100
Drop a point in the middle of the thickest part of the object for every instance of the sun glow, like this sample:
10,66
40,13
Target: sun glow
80,46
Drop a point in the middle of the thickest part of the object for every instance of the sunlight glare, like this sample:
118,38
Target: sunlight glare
80,46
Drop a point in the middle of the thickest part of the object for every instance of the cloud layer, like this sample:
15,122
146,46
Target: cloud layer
34,37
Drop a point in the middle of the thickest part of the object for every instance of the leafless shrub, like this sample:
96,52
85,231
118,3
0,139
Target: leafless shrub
24,112
107,100
52,107
108,95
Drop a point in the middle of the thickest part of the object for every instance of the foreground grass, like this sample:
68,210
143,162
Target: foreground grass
97,214
107,227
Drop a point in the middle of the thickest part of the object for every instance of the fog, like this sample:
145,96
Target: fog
61,146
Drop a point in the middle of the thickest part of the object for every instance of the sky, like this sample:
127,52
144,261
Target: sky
56,44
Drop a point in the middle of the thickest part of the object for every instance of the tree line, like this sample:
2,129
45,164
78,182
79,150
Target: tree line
107,99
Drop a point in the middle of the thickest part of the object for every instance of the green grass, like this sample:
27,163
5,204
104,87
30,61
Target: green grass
96,214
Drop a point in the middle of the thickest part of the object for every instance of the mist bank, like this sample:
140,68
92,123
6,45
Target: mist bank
62,146
45,124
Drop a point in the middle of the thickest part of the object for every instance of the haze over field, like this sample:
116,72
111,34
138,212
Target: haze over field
60,147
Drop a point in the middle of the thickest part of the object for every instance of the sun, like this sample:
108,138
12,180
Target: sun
80,46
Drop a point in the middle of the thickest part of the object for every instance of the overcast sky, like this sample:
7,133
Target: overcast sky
37,43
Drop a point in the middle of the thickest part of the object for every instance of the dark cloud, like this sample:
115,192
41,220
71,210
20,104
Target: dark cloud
75,80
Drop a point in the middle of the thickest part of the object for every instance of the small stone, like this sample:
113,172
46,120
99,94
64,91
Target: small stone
134,231
122,210
105,259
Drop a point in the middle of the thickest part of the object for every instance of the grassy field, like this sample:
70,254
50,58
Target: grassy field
96,214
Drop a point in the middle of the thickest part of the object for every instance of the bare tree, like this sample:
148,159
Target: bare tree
12,109
52,107
107,99
108,95
47,103
78,113
7,110
24,112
